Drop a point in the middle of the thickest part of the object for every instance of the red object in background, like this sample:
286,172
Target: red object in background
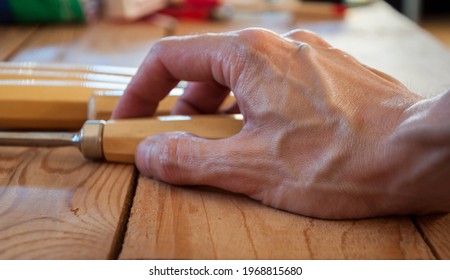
340,9
202,13
193,9
201,3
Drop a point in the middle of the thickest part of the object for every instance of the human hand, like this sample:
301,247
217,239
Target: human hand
323,135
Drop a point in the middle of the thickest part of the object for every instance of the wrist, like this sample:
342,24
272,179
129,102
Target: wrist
427,121
421,145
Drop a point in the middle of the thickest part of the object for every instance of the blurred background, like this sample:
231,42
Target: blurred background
408,39
433,15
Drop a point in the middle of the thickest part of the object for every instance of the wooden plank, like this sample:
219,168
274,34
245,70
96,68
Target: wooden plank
101,44
12,38
436,231
54,204
439,26
49,43
170,222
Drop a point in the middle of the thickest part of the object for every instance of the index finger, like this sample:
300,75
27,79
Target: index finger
192,58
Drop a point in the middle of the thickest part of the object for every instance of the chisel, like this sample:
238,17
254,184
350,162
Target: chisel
116,140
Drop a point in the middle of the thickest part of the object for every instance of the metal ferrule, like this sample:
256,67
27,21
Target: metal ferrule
91,135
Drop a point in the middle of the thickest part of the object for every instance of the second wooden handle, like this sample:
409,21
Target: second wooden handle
102,103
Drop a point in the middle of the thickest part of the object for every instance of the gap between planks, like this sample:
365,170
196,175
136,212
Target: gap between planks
19,45
425,238
119,236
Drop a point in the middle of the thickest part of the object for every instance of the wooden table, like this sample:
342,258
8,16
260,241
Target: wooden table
54,204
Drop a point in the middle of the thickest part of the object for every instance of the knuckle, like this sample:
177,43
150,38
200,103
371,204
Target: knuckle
304,32
162,44
171,159
155,53
252,42
303,35
158,47
302,47
168,160
255,34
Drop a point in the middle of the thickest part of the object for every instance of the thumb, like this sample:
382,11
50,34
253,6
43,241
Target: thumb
179,158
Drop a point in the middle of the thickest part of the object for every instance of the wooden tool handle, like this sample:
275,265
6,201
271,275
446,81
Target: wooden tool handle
102,103
120,138
31,104
40,96
54,105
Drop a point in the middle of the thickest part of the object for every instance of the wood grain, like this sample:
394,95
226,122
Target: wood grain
436,231
101,44
169,222
54,204
12,38
439,26
49,44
